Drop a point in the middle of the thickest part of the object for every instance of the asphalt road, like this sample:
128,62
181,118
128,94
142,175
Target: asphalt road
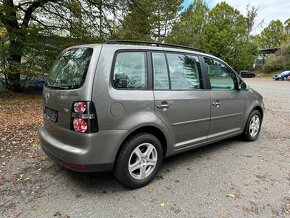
231,178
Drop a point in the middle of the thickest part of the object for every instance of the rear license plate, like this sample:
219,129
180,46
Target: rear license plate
50,114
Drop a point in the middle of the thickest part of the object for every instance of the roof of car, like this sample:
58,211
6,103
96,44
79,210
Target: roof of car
130,44
148,47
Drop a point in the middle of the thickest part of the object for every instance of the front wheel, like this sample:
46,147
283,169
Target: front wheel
253,126
139,160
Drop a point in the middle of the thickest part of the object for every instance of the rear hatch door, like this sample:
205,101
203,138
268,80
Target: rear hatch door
69,80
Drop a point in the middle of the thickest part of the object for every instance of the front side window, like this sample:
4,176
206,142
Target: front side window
221,76
130,70
70,69
184,71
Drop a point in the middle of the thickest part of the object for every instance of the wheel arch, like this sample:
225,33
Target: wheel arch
151,130
255,107
259,108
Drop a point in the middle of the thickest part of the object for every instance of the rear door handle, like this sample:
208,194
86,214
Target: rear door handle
216,103
163,105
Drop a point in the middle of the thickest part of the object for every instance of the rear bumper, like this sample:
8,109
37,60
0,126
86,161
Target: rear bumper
91,152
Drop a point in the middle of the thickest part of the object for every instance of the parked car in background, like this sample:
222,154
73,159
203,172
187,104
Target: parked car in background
26,83
247,74
282,75
288,78
33,84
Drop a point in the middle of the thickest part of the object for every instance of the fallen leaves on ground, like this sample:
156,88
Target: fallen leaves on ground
232,195
21,116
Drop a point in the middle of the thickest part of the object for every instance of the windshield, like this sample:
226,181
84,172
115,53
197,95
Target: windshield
285,73
70,69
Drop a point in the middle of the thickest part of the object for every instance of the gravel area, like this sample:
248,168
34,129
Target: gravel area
231,178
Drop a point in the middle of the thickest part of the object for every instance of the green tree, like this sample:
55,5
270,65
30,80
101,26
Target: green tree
76,21
287,27
252,13
226,36
164,15
273,35
189,28
137,23
148,20
280,60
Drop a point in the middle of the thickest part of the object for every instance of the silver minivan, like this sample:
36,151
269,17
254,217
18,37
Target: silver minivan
123,106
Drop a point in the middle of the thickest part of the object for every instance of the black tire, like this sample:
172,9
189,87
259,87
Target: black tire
246,134
121,169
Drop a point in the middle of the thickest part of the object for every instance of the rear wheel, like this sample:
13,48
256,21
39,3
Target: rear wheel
139,160
253,126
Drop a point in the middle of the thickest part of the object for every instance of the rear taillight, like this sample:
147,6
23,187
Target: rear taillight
80,125
84,117
80,107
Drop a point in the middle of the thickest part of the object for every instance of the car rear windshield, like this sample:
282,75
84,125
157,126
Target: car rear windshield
70,69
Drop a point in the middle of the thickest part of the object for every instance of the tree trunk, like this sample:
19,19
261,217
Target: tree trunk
13,77
14,65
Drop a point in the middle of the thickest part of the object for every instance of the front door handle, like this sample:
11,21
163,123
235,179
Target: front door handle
163,105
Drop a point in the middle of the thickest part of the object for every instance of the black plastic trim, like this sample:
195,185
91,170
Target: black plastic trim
150,76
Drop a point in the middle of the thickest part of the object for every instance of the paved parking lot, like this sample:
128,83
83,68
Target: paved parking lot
232,178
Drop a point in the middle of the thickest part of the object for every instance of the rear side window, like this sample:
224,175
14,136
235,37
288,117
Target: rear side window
161,80
130,70
220,76
70,69
184,71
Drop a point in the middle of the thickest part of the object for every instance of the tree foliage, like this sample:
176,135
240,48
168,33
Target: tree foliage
226,35
287,27
252,13
280,60
273,35
188,29
222,31
148,20
34,27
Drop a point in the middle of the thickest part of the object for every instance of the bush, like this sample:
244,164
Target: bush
280,60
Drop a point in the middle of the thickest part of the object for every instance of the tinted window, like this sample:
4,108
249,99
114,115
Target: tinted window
221,77
130,70
184,71
161,80
70,69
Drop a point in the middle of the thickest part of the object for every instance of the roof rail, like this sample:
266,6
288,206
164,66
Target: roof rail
152,43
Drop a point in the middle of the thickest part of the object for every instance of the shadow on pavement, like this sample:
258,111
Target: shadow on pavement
104,182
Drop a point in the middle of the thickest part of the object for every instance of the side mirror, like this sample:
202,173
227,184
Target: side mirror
243,86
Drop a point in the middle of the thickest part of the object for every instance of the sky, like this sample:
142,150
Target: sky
268,9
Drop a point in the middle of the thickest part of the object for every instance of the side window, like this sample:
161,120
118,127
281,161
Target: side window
184,71
220,76
161,80
130,70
